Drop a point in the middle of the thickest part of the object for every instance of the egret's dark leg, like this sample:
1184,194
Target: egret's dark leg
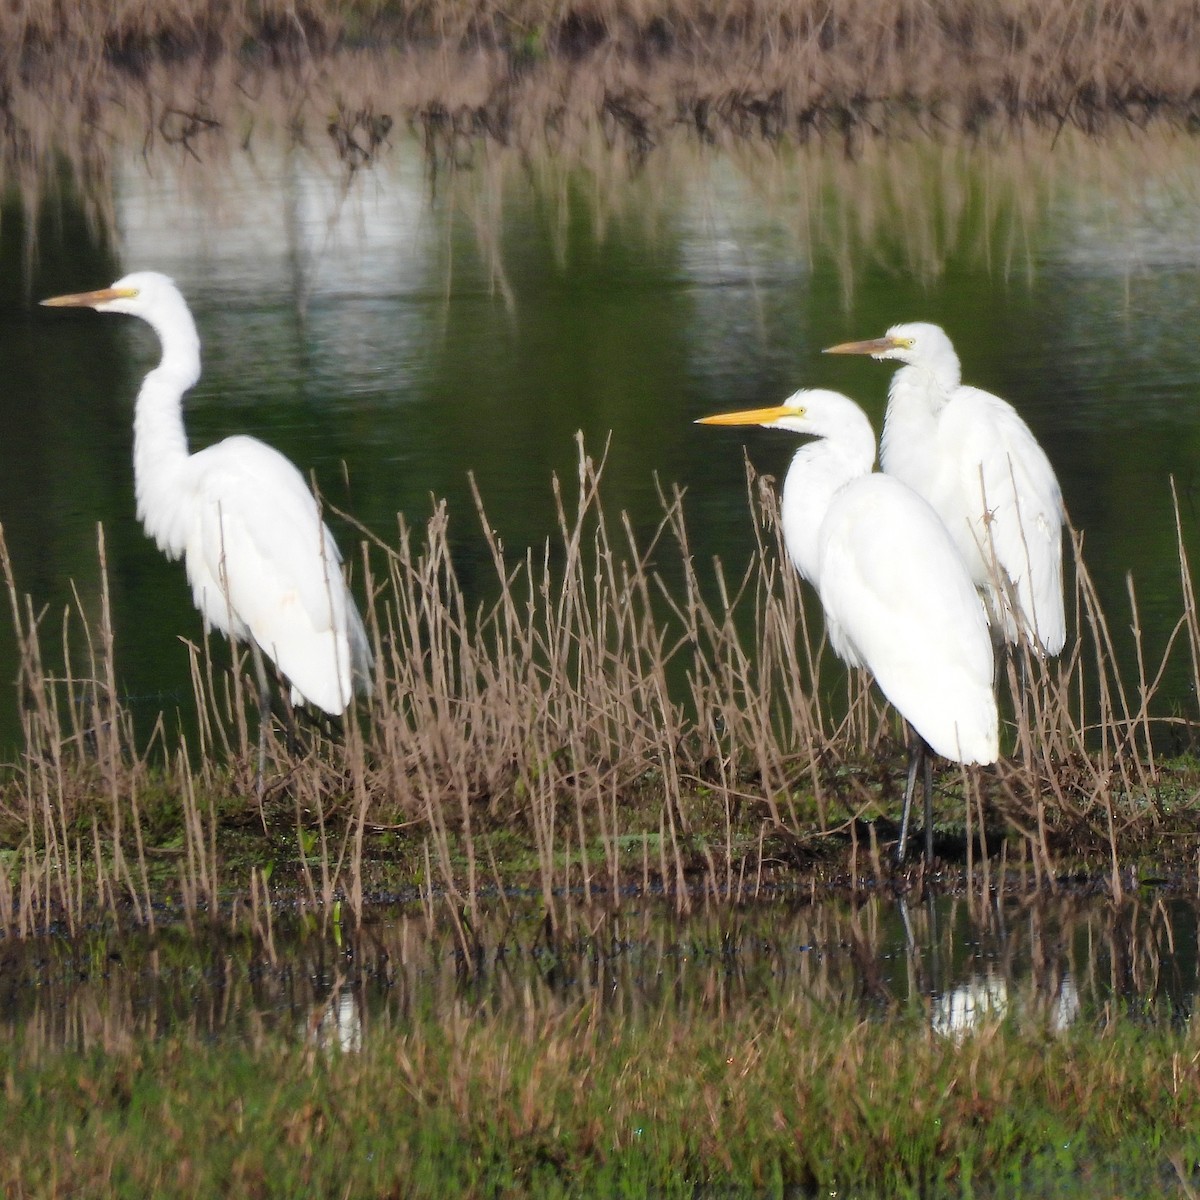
918,754
264,717
914,762
928,804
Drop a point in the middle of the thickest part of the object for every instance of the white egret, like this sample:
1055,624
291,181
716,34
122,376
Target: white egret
262,565
897,596
975,460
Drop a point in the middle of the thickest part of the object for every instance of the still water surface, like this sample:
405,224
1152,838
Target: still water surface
1038,963
394,332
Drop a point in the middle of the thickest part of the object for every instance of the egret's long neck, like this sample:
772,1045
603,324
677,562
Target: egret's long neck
916,397
818,472
160,449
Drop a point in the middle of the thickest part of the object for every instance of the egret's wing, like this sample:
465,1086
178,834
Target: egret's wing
899,601
260,539
1009,481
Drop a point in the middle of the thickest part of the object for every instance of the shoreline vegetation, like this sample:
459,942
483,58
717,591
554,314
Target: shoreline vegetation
616,719
536,74
571,1102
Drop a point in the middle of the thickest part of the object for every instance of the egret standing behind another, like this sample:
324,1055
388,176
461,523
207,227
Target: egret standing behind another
897,596
974,459
262,564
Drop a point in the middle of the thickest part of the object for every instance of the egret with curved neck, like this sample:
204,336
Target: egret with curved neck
975,460
262,565
897,596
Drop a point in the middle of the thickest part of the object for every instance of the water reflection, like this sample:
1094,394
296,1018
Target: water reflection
339,1024
967,1007
1044,964
984,1000
393,333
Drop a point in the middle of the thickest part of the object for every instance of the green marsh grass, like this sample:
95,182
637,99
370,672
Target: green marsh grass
781,1048
501,1109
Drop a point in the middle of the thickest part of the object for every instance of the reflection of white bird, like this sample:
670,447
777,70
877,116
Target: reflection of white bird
896,594
965,1008
337,1024
262,564
1065,1005
985,998
975,460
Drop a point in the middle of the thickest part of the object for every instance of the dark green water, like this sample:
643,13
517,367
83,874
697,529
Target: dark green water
401,335
1037,962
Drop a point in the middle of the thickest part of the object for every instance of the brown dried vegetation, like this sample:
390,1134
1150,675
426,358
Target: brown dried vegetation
590,730
534,73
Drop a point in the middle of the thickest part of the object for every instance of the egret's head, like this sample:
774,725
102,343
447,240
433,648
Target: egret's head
142,294
817,412
916,342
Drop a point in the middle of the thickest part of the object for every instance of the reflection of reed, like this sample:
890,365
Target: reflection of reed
1047,964
470,118
908,206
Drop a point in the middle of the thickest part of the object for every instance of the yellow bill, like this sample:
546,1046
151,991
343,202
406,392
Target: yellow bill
90,299
880,345
753,416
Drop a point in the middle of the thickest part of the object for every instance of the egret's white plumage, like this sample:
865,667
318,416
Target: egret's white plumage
897,596
262,564
975,460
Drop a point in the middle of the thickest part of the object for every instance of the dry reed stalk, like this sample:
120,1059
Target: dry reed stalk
184,81
757,67
606,719
198,871
1191,613
261,915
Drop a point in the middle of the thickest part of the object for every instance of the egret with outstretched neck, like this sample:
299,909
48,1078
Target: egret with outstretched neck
262,564
976,461
897,596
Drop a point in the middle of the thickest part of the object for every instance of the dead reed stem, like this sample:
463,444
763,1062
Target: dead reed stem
606,724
